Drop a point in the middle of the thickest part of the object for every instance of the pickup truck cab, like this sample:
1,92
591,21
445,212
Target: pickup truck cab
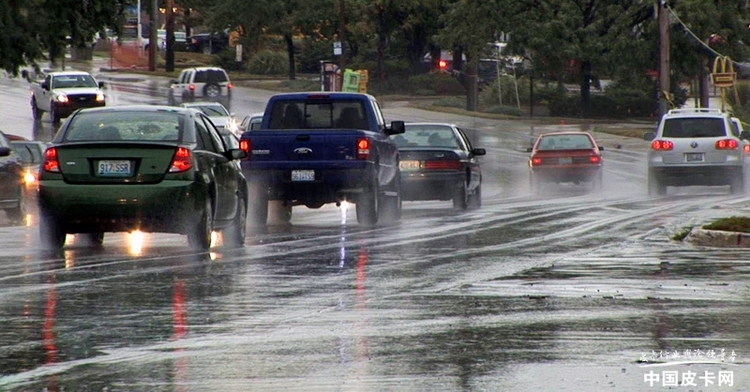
62,93
323,147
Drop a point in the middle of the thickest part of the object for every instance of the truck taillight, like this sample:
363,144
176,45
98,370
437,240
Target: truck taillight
181,161
245,146
726,144
662,145
51,164
229,86
363,148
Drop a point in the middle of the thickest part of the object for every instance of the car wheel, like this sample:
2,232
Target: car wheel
35,110
53,115
460,199
206,49
367,205
92,239
390,206
737,186
655,187
51,232
258,214
475,199
234,235
211,90
199,235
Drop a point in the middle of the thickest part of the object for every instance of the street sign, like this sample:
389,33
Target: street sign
723,79
337,51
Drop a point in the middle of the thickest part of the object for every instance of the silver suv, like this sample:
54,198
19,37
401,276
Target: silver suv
697,147
201,84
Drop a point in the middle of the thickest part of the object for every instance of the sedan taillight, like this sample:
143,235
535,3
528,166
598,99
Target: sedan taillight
442,165
182,160
595,159
727,144
51,164
662,145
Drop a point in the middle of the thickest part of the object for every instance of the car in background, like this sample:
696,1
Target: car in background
147,168
218,114
438,162
697,146
208,43
12,189
201,84
31,153
180,40
251,122
566,157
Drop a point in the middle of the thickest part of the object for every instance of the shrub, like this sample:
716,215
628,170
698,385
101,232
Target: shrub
506,110
490,96
439,82
267,62
453,102
227,59
310,52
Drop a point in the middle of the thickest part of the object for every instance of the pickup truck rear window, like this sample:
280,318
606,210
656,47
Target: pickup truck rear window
318,114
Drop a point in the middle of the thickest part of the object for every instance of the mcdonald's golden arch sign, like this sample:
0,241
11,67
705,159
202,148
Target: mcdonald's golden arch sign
723,75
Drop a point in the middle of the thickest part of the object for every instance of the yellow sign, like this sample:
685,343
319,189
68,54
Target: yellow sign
355,81
724,77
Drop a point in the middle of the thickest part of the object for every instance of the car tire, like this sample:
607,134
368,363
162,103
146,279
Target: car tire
51,232
35,110
737,186
206,49
92,239
212,91
54,117
199,234
367,204
390,206
460,198
234,235
475,199
655,187
258,205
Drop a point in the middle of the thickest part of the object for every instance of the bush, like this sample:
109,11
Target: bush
300,85
506,110
227,59
453,102
267,62
311,52
490,96
440,83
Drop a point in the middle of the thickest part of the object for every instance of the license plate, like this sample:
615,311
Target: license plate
303,175
694,157
565,161
114,168
409,165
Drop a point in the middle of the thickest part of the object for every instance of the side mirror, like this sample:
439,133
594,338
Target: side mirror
101,85
528,149
601,148
396,128
649,136
45,85
4,151
173,82
745,135
479,151
236,153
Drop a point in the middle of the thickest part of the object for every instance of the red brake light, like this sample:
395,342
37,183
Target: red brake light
229,86
51,164
746,148
662,145
182,160
245,146
442,165
726,144
443,64
536,161
594,159
363,148
191,87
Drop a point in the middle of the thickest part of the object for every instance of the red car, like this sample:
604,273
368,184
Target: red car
566,157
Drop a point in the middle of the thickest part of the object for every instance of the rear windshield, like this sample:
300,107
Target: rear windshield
427,136
318,114
125,126
29,152
694,127
565,142
210,76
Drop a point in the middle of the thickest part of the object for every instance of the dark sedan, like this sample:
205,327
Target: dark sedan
565,157
11,181
438,162
141,168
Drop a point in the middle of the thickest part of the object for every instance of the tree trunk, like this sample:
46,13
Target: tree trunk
472,91
381,46
290,52
435,57
586,88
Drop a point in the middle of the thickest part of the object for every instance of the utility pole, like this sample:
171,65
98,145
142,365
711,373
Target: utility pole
664,70
169,66
342,37
152,44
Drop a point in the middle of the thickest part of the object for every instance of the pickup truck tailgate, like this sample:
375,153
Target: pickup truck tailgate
304,145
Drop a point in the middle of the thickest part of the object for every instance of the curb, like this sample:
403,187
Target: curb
717,238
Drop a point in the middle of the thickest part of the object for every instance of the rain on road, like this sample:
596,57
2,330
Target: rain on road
571,291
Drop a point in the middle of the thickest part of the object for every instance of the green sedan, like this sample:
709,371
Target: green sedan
147,168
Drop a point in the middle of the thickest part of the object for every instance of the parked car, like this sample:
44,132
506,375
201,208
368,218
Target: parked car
180,40
566,157
697,146
207,43
12,188
218,114
147,168
438,162
251,122
201,84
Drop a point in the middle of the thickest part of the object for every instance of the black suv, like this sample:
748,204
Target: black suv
11,181
201,84
207,43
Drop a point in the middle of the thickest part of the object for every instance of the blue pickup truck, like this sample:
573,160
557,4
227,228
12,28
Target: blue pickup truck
314,149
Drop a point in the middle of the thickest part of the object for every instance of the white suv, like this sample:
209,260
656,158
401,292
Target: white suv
201,84
697,147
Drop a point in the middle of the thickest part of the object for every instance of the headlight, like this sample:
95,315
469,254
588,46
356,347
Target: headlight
232,126
100,97
29,178
62,98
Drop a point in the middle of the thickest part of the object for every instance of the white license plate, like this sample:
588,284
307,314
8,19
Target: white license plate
409,165
694,157
114,168
303,175
565,161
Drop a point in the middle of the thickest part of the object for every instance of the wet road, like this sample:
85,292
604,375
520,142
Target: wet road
568,292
